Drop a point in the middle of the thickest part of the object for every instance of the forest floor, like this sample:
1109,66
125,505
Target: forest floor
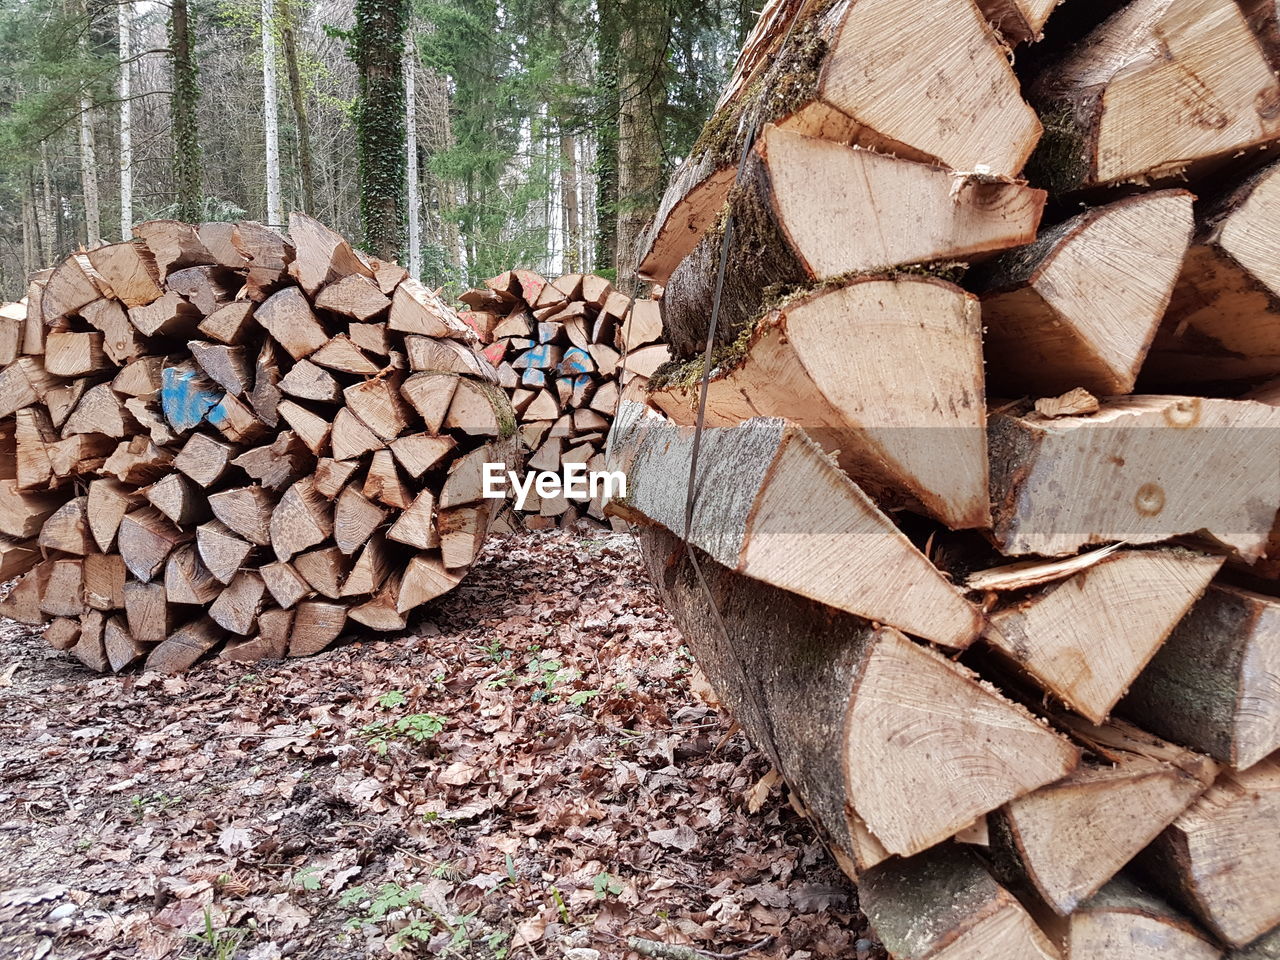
533,771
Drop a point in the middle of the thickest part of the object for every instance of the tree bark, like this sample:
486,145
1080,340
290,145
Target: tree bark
125,86
270,115
297,95
641,46
569,203
377,50
186,127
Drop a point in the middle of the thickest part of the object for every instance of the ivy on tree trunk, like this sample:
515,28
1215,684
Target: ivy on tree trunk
377,46
186,128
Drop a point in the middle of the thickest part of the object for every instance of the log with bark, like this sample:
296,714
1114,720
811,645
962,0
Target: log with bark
1022,415
274,440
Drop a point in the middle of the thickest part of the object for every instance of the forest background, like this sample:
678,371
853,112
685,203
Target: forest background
464,137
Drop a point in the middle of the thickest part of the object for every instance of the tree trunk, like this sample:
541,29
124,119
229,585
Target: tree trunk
298,96
411,162
569,203
186,126
89,175
125,85
641,45
270,117
48,227
606,126
378,49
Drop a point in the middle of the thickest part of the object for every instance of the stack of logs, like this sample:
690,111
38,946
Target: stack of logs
563,350
987,537
217,434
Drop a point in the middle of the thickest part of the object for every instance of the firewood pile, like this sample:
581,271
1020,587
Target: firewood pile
986,550
563,350
216,438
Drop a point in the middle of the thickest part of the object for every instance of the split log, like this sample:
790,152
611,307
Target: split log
829,698
846,74
915,438
1150,465
944,905
1069,311
1087,638
789,238
1220,858
1223,323
1215,685
1096,104
775,508
1125,922
1065,841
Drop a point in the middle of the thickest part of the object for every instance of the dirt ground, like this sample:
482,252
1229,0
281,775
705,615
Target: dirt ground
531,772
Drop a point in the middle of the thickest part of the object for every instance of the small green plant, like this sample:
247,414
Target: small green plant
156,803
218,943
579,697
392,699
418,727
496,651
389,898
605,885
565,916
308,878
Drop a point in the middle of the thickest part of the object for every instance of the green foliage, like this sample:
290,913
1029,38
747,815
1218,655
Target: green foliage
217,943
392,699
605,885
417,727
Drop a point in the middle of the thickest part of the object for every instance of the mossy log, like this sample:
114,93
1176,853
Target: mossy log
875,213
908,437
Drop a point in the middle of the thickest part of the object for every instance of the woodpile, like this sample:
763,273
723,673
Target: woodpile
985,553
219,438
564,350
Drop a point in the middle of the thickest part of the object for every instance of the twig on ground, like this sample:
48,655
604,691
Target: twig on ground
675,951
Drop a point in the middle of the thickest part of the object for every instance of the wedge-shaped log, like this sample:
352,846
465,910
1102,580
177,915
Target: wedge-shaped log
944,905
774,507
1066,840
917,438
1215,685
185,646
850,73
830,699
1084,640
790,235
1148,94
1142,469
1124,921
1221,857
1223,323
1080,306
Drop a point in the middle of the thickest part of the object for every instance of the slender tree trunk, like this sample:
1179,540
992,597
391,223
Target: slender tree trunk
271,119
30,233
299,97
607,110
378,50
89,175
124,23
48,227
411,162
569,203
186,129
641,44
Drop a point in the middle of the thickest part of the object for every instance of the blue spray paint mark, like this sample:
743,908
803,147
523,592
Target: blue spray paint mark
534,378
540,356
218,414
185,403
576,360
